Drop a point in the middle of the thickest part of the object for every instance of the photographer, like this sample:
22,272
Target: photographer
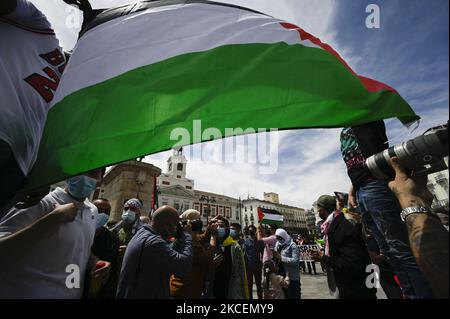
427,236
229,279
191,285
380,210
150,259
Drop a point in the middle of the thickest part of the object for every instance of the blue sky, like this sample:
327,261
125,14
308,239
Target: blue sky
409,52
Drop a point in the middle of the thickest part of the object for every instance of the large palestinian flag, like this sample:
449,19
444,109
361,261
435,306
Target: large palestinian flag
133,79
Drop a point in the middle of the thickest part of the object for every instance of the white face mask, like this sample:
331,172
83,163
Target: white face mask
81,186
128,216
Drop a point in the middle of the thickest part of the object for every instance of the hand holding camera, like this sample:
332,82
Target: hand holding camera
409,191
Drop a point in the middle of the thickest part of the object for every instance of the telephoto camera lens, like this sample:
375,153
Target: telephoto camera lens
421,155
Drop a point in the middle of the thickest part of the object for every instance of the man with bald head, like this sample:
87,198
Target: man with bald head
150,257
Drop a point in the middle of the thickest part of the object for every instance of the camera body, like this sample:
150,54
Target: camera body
197,225
422,155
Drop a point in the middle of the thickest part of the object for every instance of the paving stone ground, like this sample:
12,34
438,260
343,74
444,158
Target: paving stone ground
316,287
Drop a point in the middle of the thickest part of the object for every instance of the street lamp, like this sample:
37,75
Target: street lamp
208,200
239,206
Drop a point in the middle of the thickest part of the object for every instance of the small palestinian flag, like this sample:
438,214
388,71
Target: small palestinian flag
270,217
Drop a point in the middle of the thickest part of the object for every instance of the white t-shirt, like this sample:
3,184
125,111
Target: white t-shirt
41,271
31,63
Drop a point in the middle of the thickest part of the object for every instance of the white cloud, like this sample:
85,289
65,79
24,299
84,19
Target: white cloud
308,170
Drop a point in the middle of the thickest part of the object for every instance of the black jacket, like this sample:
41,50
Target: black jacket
106,247
349,259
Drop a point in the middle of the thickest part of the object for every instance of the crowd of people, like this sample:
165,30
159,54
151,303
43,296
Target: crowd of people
172,255
60,245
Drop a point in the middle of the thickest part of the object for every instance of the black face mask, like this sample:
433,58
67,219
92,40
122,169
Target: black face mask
197,225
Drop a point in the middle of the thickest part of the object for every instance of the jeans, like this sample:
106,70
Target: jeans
380,212
255,271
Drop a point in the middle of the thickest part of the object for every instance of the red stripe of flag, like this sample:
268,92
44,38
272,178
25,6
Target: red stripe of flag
260,214
371,85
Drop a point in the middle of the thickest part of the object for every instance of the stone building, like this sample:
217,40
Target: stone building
294,218
131,179
178,191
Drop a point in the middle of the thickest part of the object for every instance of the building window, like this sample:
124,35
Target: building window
165,183
180,166
227,212
221,211
245,208
197,206
213,211
178,176
251,208
176,206
189,187
205,211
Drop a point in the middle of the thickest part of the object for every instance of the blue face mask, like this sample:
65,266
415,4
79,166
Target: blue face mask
101,220
234,234
128,217
221,233
81,187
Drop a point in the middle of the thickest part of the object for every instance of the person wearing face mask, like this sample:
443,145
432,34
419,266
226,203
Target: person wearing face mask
106,247
286,252
269,240
40,242
131,222
229,279
254,250
236,234
192,285
150,258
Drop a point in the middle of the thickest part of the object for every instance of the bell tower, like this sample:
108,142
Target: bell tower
176,164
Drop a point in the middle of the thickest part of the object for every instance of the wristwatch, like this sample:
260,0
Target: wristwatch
413,210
